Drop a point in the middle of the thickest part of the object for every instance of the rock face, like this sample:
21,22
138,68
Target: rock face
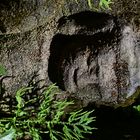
94,55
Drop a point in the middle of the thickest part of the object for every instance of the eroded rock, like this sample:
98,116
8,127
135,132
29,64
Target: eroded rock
95,56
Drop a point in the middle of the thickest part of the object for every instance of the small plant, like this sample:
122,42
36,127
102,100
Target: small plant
2,70
47,120
103,4
137,108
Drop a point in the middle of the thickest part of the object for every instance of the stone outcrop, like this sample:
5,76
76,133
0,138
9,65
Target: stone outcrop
93,55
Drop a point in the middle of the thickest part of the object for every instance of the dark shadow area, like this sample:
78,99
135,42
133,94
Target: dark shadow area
89,19
2,27
116,124
8,4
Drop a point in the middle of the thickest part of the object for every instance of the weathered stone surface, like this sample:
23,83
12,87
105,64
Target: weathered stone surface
93,55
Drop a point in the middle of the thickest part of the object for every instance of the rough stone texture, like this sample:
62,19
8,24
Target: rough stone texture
94,55
96,58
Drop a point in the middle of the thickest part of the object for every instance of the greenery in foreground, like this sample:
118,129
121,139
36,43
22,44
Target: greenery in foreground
46,119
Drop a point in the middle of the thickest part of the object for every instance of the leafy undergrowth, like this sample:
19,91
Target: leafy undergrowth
42,117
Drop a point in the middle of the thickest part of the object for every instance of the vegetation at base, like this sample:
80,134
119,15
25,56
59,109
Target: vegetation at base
43,116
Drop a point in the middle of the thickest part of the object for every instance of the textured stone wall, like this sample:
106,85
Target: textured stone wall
95,56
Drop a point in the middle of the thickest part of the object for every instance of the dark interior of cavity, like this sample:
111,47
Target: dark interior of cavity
88,19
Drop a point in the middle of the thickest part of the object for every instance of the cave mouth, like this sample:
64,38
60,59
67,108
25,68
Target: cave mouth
75,48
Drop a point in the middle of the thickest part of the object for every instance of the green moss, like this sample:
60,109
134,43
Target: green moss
2,70
130,100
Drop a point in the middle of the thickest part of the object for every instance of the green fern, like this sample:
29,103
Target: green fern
48,115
